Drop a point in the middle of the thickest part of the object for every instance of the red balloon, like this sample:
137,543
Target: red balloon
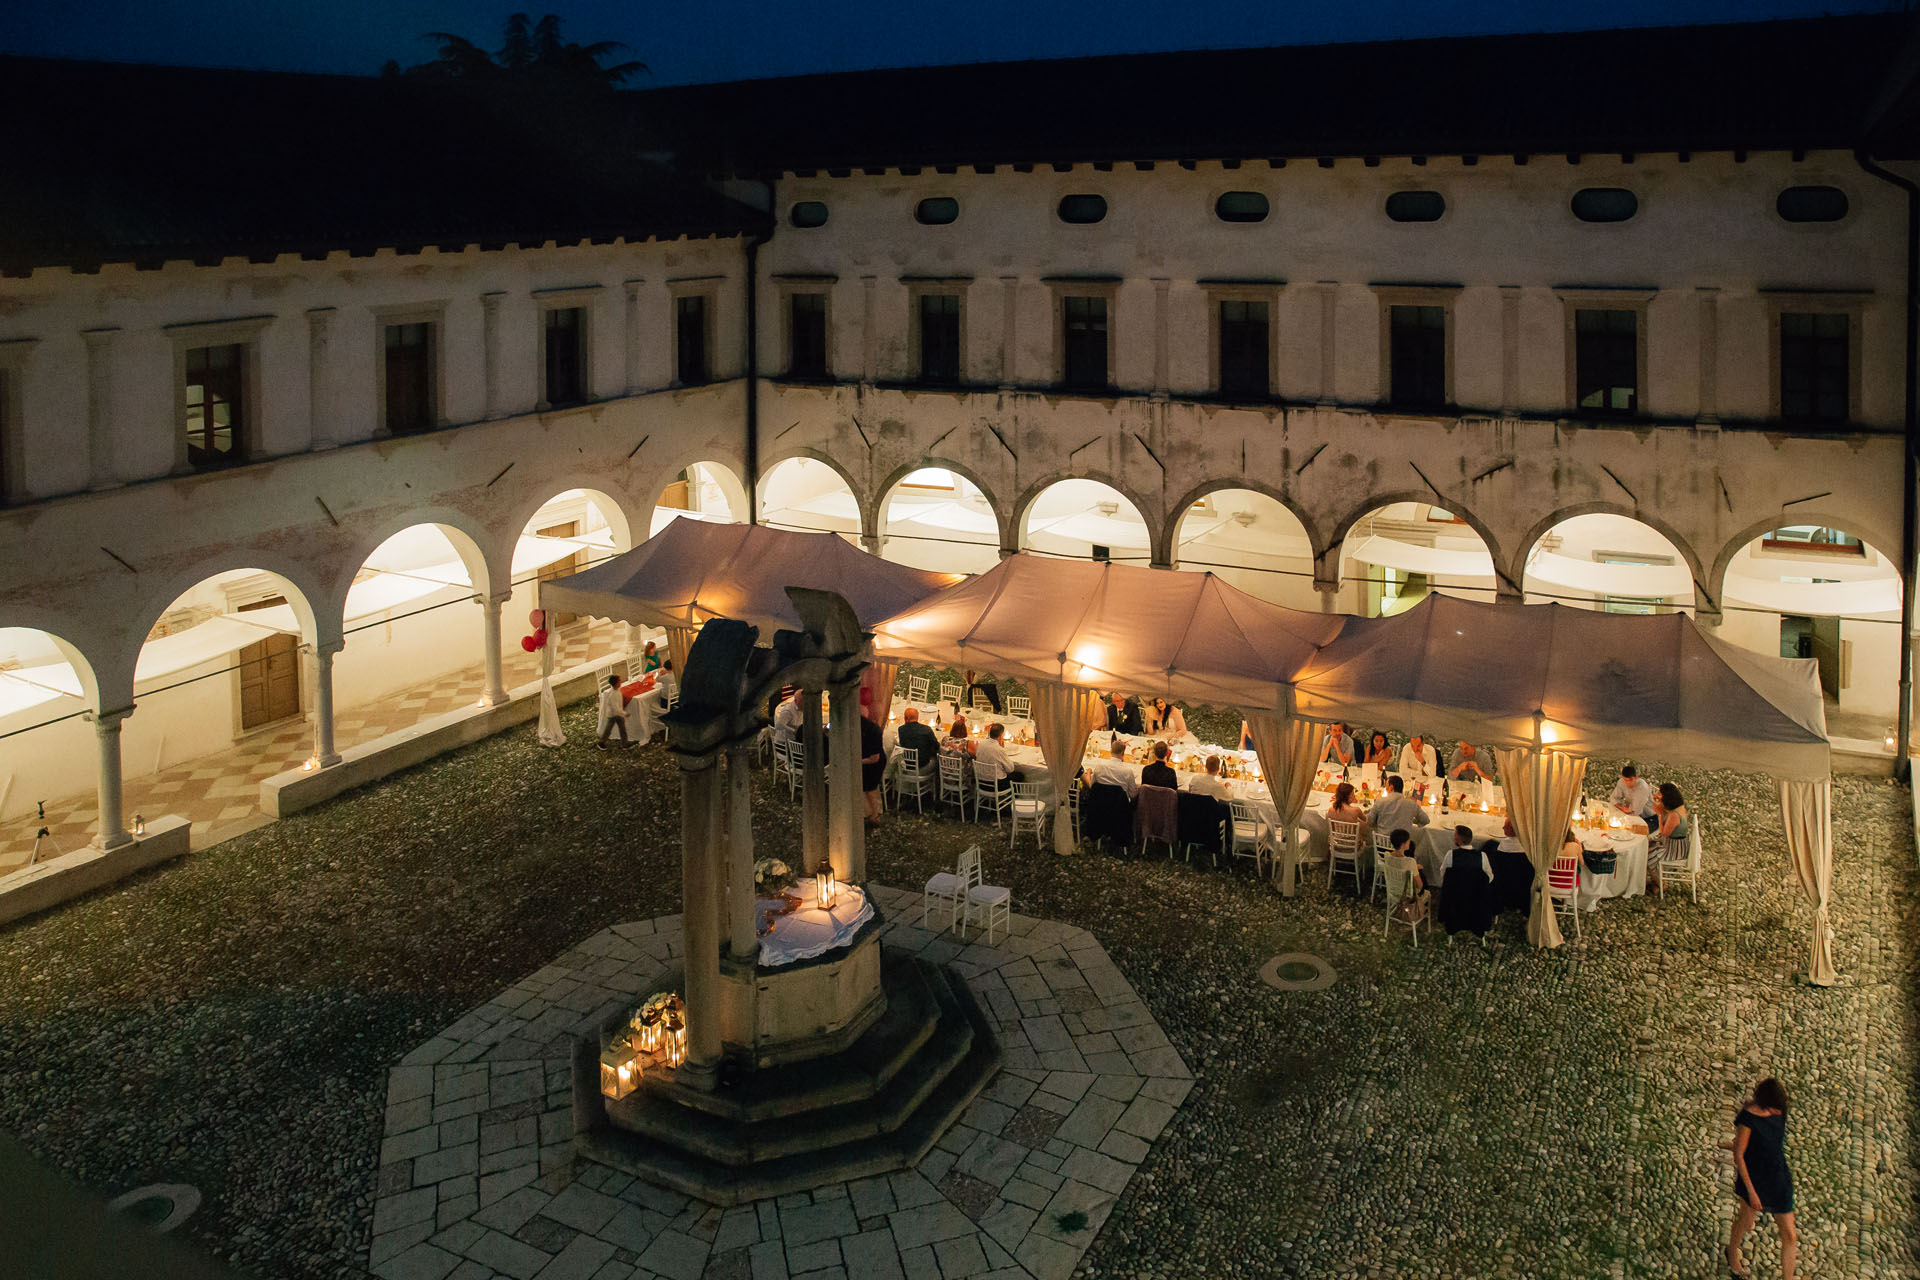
540,638
537,619
527,643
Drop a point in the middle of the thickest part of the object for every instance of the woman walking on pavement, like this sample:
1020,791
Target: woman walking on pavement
1762,1183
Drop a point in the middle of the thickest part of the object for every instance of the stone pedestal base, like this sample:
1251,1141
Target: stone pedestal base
804,1010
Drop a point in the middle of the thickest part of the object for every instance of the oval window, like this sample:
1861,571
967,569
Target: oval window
1082,208
1241,206
937,211
1416,206
1605,204
808,213
1812,204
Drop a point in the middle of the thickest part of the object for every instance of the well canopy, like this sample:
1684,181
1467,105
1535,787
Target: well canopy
694,570
1614,684
1114,626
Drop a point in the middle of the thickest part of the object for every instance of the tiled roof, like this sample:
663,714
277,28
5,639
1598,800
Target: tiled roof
123,163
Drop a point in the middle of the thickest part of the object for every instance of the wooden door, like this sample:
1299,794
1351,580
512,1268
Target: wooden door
269,676
561,568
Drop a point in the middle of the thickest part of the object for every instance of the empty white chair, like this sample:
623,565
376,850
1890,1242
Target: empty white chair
908,780
950,693
1406,901
1563,886
1343,851
981,704
917,690
1029,813
988,905
1680,866
1019,708
636,667
953,780
1382,850
1246,834
1073,807
949,888
788,758
989,795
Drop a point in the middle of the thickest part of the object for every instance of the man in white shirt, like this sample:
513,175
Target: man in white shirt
1105,770
1510,842
1633,793
612,712
1463,848
1419,762
786,721
1209,783
1339,748
1394,810
990,763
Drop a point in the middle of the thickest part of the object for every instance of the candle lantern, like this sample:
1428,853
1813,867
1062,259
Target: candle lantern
139,825
828,891
675,1034
650,1030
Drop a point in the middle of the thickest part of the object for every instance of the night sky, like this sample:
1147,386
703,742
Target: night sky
734,39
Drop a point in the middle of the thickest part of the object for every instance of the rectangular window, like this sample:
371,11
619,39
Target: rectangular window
1085,346
1815,366
566,350
1607,361
409,377
1244,347
690,339
940,337
216,405
807,336
1418,357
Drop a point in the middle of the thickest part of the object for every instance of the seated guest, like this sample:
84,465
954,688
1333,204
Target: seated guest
988,687
1339,746
786,721
915,736
1466,875
1168,720
1209,783
1465,766
1512,871
957,739
649,658
1123,714
1669,829
1510,839
1107,771
1378,752
1394,809
1418,761
1633,794
1343,808
1159,773
990,763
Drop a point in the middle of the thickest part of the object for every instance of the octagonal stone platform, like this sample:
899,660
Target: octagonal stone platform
479,1177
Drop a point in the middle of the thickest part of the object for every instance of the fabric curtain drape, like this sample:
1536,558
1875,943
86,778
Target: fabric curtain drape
1063,718
877,680
1287,758
680,644
1541,789
550,733
1807,810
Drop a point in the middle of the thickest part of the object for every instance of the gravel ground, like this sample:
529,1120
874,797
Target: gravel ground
228,1022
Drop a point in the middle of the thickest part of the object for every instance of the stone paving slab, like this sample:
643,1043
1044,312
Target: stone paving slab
478,1175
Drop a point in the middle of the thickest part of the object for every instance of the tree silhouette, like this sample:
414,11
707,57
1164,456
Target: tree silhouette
534,54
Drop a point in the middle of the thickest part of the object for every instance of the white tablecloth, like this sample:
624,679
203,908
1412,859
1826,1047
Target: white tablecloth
809,931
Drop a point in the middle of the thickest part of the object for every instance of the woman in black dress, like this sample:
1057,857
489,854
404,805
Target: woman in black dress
1762,1183
873,766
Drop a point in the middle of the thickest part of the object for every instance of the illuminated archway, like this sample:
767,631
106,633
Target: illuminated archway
1613,563
810,495
48,751
569,532
702,491
1395,553
1250,540
1085,519
937,518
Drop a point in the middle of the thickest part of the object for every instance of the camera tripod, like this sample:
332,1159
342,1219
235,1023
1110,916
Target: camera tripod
44,835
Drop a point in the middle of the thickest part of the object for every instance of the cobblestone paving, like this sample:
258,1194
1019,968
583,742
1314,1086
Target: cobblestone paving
477,1171
230,1021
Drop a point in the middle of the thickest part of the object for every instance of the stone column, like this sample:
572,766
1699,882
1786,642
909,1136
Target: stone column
847,845
113,827
490,353
700,795
100,470
496,680
631,349
1009,331
813,785
323,752
320,377
742,940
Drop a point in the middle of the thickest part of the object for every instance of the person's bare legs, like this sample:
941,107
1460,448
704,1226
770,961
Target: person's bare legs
1789,1243
1743,1221
873,805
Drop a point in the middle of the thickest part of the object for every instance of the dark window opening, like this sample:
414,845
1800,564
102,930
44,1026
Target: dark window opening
1082,208
808,213
409,389
1605,204
1086,343
940,337
807,336
1416,206
216,405
1607,361
1811,204
690,339
1241,206
1244,350
1101,553
1417,357
566,356
1815,367
937,211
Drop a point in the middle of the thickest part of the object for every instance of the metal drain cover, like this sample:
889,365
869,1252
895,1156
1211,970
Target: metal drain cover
1297,971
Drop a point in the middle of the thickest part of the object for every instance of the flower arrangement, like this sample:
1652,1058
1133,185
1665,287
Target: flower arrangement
770,875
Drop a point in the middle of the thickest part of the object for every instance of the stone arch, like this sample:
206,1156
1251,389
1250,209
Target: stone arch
1177,512
469,538
863,500
76,656
1156,529
616,505
1827,519
727,474
318,625
1344,526
1703,599
1008,533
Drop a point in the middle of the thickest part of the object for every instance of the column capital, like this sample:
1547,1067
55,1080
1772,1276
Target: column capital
108,721
492,599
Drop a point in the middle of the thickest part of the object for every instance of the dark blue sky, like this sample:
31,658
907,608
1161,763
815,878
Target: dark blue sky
732,39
